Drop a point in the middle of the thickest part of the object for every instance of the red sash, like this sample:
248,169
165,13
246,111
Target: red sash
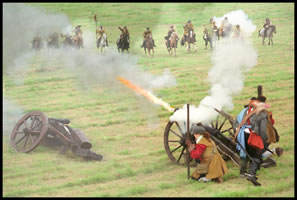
254,140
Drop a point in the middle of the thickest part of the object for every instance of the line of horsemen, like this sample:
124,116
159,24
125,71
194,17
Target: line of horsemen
211,33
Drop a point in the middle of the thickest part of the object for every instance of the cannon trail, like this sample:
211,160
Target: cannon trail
145,93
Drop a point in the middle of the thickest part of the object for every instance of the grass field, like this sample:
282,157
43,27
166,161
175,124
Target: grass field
135,163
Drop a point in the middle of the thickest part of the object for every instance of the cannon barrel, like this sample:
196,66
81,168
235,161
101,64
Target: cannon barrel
81,138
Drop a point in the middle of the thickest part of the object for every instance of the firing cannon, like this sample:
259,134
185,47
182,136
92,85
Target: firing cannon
35,127
221,132
175,139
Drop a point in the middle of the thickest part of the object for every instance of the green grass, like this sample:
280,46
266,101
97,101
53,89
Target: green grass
135,162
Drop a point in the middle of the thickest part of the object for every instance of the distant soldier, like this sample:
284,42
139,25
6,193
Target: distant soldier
224,23
99,32
147,34
125,32
168,37
237,31
265,26
78,33
187,29
37,43
53,40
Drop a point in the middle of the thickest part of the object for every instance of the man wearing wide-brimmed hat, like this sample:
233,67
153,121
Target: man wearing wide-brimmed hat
211,166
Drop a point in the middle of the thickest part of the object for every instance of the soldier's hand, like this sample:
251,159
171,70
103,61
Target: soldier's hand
191,147
188,142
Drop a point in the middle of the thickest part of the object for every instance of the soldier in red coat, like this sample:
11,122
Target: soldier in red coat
211,165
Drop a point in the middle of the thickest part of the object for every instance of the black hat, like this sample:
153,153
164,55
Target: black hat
78,26
198,129
147,28
261,98
189,21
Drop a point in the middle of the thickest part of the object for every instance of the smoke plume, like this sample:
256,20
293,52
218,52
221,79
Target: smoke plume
22,23
12,113
230,60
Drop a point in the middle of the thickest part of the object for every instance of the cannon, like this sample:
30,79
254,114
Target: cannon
35,128
221,130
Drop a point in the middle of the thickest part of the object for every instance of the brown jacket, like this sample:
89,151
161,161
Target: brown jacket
211,163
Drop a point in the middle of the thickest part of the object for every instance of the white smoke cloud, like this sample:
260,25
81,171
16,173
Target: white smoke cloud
238,17
22,23
12,113
230,60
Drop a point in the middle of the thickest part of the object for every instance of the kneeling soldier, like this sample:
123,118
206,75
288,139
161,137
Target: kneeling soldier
211,166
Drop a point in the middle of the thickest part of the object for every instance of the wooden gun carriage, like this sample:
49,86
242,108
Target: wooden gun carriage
221,132
35,128
175,139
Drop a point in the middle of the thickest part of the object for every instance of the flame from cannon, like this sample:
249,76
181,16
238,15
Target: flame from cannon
145,93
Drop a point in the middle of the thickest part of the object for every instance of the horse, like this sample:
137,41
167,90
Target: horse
149,45
77,41
268,34
72,41
67,41
207,39
171,43
190,39
102,42
123,43
36,43
53,41
224,31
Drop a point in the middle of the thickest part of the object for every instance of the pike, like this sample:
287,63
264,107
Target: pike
95,19
188,138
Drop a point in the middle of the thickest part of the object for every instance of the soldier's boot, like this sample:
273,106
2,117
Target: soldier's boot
195,175
279,151
142,44
253,179
269,162
106,42
251,175
154,43
243,167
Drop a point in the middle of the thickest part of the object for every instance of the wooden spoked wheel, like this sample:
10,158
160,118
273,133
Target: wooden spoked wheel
175,143
29,131
223,123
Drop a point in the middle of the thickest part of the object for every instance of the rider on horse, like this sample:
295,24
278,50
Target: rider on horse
168,37
125,33
187,28
237,31
99,33
147,34
266,25
78,33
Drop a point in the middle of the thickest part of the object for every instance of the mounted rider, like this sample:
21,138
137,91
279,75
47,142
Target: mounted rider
225,23
147,34
187,29
78,32
99,32
125,33
237,31
265,26
168,37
